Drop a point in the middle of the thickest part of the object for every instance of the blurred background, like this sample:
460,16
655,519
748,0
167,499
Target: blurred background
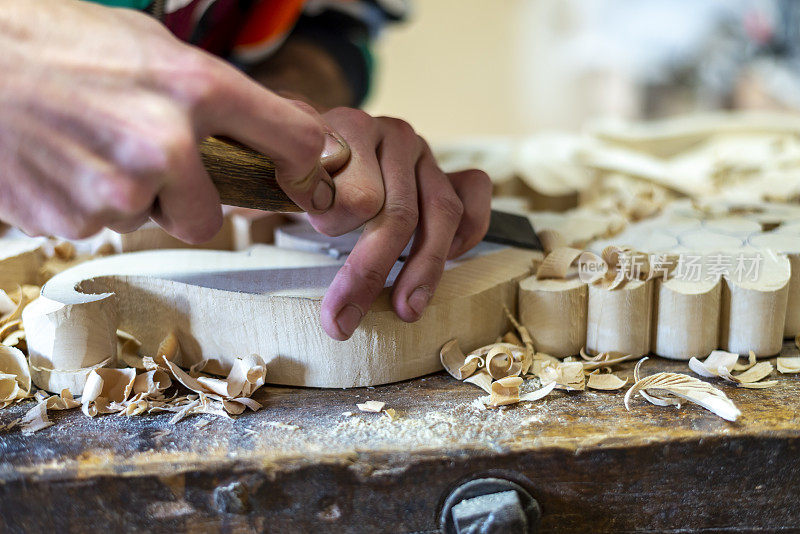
465,68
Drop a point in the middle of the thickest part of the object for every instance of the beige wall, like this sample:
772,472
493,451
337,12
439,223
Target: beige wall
462,68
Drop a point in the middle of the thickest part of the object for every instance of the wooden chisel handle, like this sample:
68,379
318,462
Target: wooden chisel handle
243,176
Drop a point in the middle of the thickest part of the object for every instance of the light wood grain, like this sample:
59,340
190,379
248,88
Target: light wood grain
222,305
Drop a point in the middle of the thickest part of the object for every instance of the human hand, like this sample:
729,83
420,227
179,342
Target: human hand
101,112
393,184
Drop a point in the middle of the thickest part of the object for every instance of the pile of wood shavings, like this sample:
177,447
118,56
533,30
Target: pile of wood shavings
149,385
502,369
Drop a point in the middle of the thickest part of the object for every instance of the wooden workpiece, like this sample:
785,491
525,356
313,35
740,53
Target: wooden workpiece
591,465
733,283
223,305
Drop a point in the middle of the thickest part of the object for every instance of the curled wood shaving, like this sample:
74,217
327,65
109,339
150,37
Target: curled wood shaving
505,391
788,364
607,382
106,390
390,413
455,362
15,339
665,389
551,240
527,341
500,363
15,376
557,263
168,349
603,359
21,298
371,406
64,401
246,376
10,328
151,383
751,361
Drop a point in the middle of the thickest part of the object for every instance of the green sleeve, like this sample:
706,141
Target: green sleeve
133,4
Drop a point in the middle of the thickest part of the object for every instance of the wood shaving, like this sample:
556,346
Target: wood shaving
752,377
21,298
557,263
788,364
390,413
500,363
511,338
551,240
539,393
527,341
751,361
606,382
10,328
64,401
64,251
570,376
35,419
371,406
15,376
168,349
720,364
665,389
128,350
455,362
15,339
717,360
106,390
604,359
505,391
482,379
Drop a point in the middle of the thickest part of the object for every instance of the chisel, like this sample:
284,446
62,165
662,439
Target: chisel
246,178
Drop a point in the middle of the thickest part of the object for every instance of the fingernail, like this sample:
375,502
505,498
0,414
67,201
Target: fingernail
335,153
419,299
348,319
322,199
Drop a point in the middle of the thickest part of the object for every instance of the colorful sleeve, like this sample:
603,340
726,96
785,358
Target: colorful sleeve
344,28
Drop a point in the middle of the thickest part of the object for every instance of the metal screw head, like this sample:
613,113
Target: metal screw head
489,505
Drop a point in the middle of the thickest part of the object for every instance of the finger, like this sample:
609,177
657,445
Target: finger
440,215
474,189
364,274
188,205
360,188
129,224
291,135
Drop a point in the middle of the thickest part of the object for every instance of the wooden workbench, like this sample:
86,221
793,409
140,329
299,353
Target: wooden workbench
590,464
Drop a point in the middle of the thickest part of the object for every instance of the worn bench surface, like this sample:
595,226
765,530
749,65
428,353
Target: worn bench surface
590,464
